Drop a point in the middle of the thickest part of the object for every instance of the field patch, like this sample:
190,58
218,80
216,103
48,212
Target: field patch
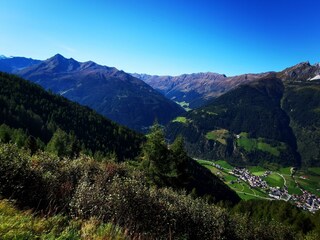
224,164
185,105
274,180
219,135
180,119
252,144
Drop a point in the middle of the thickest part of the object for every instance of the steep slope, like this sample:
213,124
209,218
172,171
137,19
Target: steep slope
27,106
194,90
301,101
15,64
113,93
245,126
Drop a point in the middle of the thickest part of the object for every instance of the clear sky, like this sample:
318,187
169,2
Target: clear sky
165,37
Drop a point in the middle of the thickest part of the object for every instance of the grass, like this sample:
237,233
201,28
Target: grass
310,184
292,187
180,119
17,224
224,164
274,180
252,144
245,196
256,169
218,135
286,171
314,170
185,105
258,173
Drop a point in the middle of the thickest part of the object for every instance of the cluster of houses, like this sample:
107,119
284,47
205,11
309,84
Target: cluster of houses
245,175
217,166
279,193
307,201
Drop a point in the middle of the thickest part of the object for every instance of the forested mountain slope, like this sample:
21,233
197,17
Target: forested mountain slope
246,125
301,101
29,107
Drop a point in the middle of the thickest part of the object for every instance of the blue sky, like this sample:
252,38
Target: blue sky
167,37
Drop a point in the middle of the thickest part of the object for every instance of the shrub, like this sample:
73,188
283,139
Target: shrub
17,180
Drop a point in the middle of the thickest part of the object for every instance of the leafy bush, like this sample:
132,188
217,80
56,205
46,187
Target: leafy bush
17,180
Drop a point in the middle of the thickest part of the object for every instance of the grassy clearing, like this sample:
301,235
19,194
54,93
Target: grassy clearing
180,119
258,173
285,171
252,144
219,135
274,180
255,169
245,196
17,224
224,164
292,187
185,105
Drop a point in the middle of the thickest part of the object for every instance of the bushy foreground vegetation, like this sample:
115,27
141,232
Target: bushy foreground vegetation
83,196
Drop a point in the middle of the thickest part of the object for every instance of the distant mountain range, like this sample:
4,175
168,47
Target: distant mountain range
112,93
194,90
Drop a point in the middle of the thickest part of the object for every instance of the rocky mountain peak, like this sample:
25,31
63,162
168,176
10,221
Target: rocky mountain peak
59,63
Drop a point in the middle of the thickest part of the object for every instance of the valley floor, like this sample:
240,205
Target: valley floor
301,187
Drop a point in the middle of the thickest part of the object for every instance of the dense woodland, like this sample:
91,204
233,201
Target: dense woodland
42,115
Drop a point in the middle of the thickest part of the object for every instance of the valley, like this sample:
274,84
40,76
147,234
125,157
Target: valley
300,187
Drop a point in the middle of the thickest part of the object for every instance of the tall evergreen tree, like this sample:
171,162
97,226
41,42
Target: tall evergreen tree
155,151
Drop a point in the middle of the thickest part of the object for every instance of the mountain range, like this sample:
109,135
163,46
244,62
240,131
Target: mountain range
112,93
266,118
194,90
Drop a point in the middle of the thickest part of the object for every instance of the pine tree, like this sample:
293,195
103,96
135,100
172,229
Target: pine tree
155,152
179,156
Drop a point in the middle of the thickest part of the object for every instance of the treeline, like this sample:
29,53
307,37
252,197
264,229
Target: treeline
39,114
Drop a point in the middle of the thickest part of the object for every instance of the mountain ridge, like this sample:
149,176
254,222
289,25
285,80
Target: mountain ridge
113,93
